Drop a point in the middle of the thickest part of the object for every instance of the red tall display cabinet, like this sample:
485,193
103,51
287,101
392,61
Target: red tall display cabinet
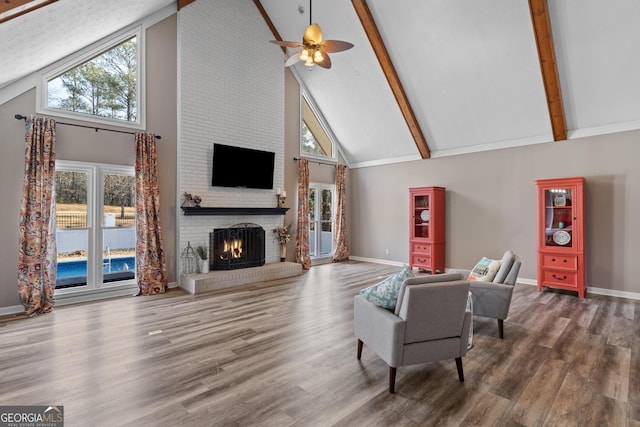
561,234
426,228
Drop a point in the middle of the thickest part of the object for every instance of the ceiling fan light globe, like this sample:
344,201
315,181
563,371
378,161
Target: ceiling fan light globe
317,56
309,62
312,35
304,55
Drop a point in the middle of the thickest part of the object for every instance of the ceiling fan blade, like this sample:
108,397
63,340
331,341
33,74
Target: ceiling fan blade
312,35
336,45
286,43
292,59
326,61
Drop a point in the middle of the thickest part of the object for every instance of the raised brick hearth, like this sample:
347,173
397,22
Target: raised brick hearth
220,279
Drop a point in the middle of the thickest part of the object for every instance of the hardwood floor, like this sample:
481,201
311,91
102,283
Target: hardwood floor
283,353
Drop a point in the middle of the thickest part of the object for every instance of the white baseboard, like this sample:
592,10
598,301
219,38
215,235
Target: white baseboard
524,281
70,298
596,291
592,290
13,309
614,293
98,294
17,309
377,261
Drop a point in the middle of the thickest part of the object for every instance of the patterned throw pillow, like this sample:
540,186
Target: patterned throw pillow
485,270
385,294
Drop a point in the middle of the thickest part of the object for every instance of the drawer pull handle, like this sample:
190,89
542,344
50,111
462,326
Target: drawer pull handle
553,260
564,260
559,278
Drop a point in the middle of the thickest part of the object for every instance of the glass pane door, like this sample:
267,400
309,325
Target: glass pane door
321,217
312,223
421,216
96,233
72,232
118,228
326,221
558,217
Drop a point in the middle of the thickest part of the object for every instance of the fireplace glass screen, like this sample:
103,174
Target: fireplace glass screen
238,246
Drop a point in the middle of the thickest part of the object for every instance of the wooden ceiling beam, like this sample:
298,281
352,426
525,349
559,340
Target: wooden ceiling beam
371,29
546,54
183,3
270,24
22,6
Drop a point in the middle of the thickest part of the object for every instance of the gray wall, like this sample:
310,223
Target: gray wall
81,144
491,205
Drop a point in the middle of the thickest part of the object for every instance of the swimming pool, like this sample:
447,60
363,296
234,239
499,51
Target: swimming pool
78,268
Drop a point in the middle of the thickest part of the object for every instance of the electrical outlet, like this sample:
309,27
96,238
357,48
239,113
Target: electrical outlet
386,251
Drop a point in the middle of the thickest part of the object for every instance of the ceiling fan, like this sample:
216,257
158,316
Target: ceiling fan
314,50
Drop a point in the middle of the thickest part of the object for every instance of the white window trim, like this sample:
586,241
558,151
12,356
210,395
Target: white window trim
95,199
85,55
319,186
304,95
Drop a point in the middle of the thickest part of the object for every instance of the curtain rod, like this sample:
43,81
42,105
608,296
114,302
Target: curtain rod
317,161
21,117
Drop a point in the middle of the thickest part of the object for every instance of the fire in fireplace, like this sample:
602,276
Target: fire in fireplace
238,246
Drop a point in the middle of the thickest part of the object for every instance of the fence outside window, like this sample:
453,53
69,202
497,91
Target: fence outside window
79,220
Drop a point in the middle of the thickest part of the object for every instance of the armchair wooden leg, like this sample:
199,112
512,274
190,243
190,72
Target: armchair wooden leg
359,349
501,328
460,371
392,379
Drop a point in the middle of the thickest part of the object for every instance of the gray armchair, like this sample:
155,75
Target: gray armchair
493,299
430,324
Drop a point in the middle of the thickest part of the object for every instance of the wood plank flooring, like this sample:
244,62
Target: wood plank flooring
283,354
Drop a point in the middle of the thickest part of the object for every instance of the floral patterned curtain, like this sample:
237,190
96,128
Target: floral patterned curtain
340,242
151,266
302,237
37,257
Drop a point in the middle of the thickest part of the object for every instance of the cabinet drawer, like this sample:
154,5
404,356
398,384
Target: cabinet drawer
421,248
561,278
421,261
560,261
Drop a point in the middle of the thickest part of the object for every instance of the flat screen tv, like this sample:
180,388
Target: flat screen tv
242,167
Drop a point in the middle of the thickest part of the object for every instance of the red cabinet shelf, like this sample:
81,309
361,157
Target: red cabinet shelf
561,234
426,228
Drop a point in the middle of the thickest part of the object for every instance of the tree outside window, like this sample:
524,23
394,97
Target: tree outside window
105,86
314,140
309,143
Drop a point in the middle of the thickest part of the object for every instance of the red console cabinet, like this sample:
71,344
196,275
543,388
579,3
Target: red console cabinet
561,234
426,228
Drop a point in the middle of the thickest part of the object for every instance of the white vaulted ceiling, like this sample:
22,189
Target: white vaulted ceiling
36,39
471,73
470,70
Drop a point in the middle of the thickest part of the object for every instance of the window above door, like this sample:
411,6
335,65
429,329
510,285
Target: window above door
315,141
101,84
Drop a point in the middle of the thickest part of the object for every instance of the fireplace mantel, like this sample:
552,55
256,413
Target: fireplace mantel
233,211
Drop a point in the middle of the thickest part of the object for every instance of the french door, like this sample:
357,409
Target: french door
95,226
321,219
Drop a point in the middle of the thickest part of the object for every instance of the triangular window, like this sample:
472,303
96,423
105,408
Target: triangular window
314,140
102,84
